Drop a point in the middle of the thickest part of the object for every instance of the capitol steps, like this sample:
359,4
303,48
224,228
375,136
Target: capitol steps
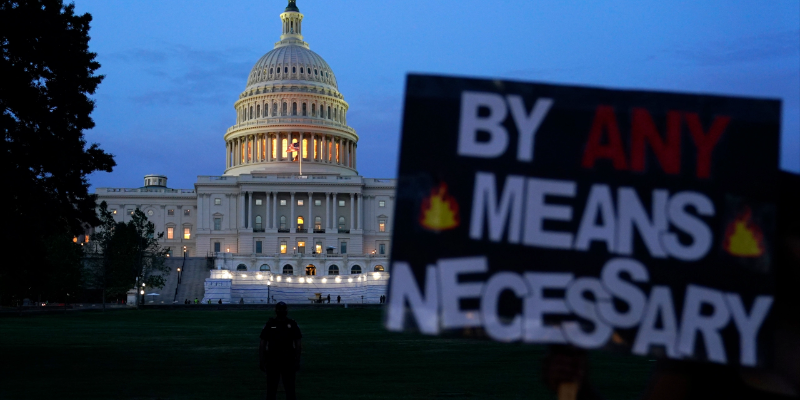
194,275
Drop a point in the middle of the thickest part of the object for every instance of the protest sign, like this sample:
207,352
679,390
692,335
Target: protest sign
591,217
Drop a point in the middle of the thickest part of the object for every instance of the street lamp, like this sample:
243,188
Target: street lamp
142,293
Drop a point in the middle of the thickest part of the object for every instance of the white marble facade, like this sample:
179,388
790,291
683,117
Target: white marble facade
262,219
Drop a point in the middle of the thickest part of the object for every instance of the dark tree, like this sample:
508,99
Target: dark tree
47,74
127,255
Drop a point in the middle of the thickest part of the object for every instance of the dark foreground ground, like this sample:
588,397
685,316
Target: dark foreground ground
176,354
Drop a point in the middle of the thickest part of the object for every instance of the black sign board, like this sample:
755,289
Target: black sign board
592,217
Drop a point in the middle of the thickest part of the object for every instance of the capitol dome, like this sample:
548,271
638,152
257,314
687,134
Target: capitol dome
291,63
291,99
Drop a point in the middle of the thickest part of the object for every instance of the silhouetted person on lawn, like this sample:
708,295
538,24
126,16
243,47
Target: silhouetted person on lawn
241,301
220,301
338,299
329,298
279,352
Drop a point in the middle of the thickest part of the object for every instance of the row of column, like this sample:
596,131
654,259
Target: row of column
269,147
331,205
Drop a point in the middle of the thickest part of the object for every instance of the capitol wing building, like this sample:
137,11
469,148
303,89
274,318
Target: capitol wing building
290,217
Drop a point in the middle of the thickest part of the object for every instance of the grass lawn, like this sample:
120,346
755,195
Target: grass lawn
165,354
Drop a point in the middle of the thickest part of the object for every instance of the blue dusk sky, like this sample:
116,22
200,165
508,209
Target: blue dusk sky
173,69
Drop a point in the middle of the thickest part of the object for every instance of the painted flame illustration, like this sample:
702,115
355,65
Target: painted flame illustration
439,210
743,238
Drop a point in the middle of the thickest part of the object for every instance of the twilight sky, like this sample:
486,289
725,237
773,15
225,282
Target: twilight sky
174,68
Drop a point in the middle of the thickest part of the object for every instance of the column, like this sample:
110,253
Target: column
227,155
292,222
310,220
266,211
327,211
249,210
241,210
335,221
232,198
360,210
200,211
274,209
351,212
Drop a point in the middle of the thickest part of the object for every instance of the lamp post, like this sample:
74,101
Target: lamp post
142,293
179,275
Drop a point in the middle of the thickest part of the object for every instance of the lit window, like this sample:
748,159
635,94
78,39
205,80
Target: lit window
187,233
283,202
343,248
284,142
258,202
382,225
341,203
170,233
186,212
170,212
300,223
217,224
301,247
318,248
378,268
318,223
299,202
283,247
305,147
382,203
382,248
258,246
217,202
317,202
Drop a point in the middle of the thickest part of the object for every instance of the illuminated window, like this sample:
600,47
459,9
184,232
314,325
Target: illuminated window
317,202
258,202
333,270
299,202
318,247
284,143
170,212
283,247
381,203
86,238
341,203
337,152
217,202
378,268
382,248
381,225
330,151
218,224
187,233
283,222
186,212
343,248
249,151
318,223
341,222
274,148
300,222
305,148
170,233
316,144
283,202
258,246
301,247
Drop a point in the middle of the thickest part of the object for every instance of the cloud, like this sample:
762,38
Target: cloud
764,47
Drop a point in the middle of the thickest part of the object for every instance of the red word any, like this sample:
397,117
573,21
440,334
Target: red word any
644,133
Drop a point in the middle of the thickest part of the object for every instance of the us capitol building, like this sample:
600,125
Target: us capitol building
272,229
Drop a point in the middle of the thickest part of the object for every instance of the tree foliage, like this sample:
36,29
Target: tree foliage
48,74
127,254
